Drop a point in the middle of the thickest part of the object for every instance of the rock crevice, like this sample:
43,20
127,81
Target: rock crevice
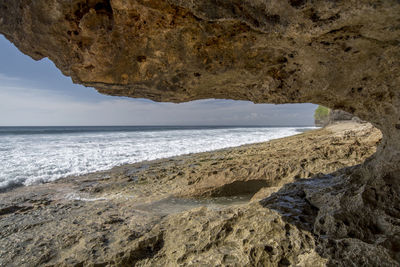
340,54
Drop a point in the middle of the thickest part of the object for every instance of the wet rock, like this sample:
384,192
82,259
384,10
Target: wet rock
340,54
143,223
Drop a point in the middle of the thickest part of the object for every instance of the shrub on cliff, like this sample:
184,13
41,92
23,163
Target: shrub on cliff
321,115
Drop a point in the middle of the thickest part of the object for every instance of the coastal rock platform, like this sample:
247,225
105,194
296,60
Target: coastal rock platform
340,54
176,211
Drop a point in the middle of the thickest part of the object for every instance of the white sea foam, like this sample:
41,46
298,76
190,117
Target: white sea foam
28,159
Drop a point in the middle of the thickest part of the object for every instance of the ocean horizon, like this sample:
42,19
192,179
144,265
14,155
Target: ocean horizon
38,154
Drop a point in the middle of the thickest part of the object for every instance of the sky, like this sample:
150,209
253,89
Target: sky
36,93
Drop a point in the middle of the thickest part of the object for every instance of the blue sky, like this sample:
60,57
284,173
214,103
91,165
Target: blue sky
37,93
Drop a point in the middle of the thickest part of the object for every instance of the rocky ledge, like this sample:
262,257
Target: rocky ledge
155,214
340,54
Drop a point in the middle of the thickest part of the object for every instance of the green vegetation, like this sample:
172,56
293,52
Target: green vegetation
321,113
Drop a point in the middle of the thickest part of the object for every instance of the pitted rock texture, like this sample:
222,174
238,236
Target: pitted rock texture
130,215
341,54
246,169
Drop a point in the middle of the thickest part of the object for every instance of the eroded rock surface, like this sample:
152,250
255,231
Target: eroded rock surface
244,170
131,214
341,54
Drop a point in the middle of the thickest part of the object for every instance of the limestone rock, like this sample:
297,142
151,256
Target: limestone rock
246,169
340,54
324,116
339,115
130,214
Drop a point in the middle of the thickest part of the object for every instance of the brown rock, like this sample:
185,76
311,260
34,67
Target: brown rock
129,215
246,169
341,54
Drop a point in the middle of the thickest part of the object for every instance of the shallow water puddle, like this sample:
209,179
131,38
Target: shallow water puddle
175,205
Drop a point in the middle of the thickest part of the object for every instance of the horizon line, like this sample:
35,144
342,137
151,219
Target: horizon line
171,125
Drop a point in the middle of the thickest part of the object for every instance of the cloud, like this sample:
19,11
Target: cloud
4,77
31,106
36,93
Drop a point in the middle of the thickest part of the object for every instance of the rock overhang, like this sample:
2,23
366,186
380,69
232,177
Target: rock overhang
342,54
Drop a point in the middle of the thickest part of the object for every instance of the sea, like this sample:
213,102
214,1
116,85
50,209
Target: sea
33,155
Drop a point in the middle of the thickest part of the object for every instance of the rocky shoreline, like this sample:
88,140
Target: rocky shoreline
186,210
339,54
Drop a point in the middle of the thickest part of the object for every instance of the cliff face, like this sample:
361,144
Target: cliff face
340,54
335,116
